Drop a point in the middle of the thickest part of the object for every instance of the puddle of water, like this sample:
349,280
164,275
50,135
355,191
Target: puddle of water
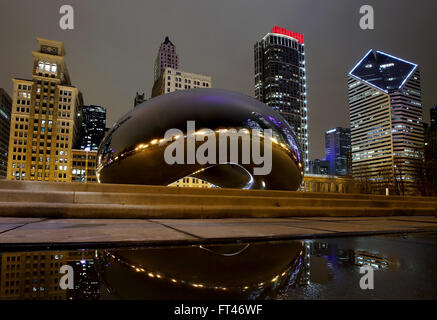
404,268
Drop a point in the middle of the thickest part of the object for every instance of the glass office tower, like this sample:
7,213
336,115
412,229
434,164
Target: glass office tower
93,127
337,147
386,120
280,79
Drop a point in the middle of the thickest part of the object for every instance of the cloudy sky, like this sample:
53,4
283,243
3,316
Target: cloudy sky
111,51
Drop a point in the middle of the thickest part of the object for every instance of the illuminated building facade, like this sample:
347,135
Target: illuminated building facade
31,275
190,182
328,183
35,275
93,127
5,121
280,79
45,118
84,166
173,80
385,106
166,58
337,148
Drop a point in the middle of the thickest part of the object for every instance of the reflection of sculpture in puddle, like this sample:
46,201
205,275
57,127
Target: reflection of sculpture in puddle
240,271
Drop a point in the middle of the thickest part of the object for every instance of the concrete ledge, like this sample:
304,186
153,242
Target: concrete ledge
191,199
236,200
36,196
60,200
126,188
120,211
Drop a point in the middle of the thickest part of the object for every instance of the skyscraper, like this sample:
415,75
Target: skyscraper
5,121
45,118
166,57
337,146
280,79
92,127
385,119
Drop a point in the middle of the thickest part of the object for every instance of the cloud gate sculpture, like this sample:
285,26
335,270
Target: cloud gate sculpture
225,138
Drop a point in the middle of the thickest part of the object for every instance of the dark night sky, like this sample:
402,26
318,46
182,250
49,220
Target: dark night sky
111,51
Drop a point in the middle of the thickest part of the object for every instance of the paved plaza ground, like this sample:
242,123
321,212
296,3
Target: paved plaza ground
39,231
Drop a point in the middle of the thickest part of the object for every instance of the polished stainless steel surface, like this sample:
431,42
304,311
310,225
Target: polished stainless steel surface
133,150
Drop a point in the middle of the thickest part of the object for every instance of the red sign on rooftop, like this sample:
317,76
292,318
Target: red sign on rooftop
297,36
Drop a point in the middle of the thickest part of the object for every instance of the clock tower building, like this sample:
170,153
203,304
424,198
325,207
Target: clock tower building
45,118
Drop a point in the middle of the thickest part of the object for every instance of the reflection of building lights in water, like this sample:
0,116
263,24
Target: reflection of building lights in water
307,270
374,260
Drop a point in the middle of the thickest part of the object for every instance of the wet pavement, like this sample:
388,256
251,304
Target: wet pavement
324,268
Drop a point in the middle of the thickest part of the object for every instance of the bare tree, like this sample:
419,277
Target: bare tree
425,176
420,176
365,184
399,176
